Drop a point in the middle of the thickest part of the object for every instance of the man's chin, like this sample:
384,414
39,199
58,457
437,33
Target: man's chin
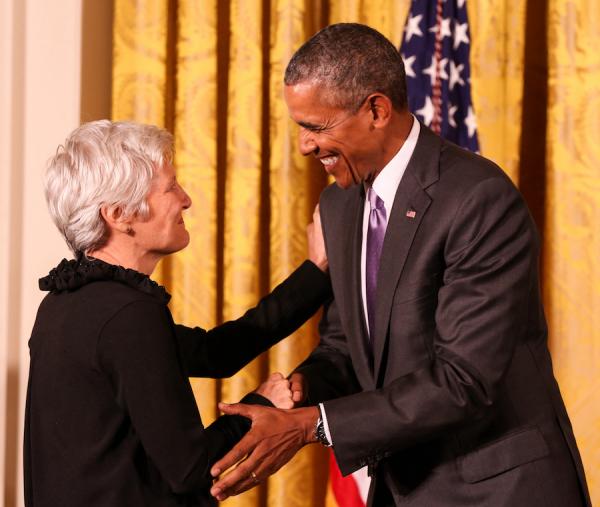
344,184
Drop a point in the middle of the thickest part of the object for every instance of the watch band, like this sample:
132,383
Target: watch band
320,434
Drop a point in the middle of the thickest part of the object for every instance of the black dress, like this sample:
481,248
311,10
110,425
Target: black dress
110,418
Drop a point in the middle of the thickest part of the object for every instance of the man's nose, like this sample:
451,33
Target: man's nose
307,143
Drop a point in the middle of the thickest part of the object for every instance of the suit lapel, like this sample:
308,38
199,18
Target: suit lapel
359,349
410,205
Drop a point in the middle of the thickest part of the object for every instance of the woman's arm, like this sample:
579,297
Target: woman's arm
222,351
137,352
227,348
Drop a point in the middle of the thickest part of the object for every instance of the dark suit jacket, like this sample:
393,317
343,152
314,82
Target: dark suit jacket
459,405
111,419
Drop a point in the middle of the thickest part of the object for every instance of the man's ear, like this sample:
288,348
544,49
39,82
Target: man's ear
113,216
380,108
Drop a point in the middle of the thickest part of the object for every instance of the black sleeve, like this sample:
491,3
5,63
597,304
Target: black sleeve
137,351
222,351
228,430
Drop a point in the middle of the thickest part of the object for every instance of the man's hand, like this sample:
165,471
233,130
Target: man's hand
277,390
275,436
299,388
316,243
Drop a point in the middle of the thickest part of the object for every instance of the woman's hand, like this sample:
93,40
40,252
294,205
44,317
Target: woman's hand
277,390
316,243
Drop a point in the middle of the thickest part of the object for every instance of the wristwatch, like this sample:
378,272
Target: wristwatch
320,434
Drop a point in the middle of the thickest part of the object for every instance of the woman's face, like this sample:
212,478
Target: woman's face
163,231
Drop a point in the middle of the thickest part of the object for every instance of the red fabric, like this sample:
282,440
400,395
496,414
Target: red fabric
344,489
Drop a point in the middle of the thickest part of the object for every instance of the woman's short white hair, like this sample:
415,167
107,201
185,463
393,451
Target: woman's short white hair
103,163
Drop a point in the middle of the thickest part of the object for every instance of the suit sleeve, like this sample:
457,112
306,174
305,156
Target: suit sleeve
491,259
222,351
328,370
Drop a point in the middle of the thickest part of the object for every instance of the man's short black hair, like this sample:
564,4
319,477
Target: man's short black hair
350,61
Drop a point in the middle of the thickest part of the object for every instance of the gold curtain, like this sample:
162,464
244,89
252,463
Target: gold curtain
572,232
211,71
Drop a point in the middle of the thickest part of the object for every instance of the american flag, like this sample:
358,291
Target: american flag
435,48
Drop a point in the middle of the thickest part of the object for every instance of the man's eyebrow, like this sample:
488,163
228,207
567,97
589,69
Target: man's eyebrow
309,126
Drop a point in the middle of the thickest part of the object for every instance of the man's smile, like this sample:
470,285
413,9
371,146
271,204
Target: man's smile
329,162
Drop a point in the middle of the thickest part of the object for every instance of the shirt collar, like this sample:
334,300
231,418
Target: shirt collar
387,181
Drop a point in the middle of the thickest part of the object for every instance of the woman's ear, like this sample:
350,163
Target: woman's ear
113,216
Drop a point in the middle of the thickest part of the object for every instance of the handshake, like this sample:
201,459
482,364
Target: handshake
275,436
283,392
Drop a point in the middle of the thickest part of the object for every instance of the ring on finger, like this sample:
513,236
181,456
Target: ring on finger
254,477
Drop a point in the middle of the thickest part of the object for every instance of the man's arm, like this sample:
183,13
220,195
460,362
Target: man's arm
491,258
267,450
480,317
328,371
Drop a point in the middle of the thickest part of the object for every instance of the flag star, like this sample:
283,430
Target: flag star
451,112
455,71
471,122
408,66
412,27
426,112
460,34
446,32
461,3
432,69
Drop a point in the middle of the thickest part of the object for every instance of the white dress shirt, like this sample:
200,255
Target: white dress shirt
385,186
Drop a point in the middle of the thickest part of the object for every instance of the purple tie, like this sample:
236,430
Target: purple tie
375,235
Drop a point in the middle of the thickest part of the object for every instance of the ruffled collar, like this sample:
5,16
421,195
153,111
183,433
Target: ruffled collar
72,274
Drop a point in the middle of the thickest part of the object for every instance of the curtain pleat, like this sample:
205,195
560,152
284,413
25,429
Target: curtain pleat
387,16
572,233
295,183
194,270
246,234
497,59
141,87
140,59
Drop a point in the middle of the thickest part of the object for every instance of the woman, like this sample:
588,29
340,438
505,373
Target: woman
110,416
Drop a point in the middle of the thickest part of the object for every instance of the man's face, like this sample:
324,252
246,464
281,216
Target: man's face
343,141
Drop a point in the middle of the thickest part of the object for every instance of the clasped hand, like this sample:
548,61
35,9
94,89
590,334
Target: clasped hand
274,438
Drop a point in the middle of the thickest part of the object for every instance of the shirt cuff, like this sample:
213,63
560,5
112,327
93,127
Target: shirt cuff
325,425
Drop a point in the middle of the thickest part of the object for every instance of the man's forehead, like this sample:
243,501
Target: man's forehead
307,101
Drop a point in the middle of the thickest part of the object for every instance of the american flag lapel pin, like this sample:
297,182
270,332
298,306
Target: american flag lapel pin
411,213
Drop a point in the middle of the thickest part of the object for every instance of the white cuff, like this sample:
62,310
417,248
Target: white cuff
325,425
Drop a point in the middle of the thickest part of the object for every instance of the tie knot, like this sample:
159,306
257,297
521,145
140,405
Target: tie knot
374,200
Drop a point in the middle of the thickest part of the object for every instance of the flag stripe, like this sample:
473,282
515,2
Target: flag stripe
345,489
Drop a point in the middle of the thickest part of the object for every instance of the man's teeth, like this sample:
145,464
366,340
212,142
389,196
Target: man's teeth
329,160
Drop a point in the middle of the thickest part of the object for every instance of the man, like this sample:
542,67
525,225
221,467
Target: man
433,368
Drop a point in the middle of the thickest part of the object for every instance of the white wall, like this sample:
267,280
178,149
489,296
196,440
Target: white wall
40,65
